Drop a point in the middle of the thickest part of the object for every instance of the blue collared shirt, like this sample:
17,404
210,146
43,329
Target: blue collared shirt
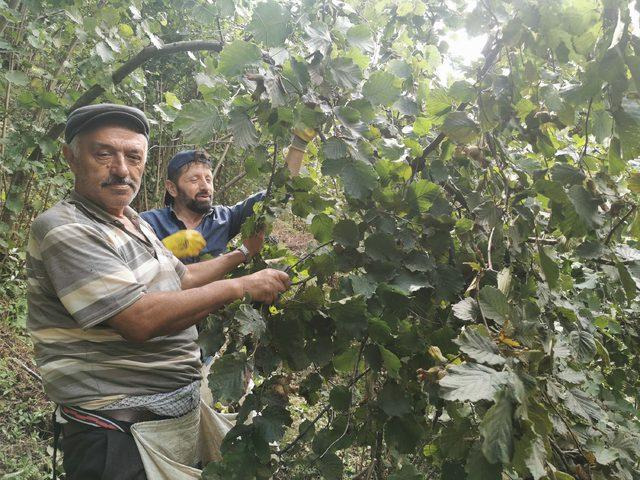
218,226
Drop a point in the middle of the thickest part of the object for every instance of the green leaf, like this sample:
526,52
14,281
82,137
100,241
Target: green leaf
272,422
494,304
627,281
393,401
467,309
407,472
549,268
581,403
346,233
421,195
345,73
627,121
330,466
322,227
319,37
334,148
345,362
583,345
243,130
349,315
359,179
381,88
360,36
270,24
199,121
566,174
531,454
340,398
585,205
227,377
390,361
250,321
104,52
478,468
16,77
471,381
497,430
460,128
403,433
237,56
477,344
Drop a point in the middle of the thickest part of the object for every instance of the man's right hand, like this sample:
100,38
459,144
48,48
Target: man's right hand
265,286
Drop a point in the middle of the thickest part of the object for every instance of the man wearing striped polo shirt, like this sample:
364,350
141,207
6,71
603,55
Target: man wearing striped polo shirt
111,310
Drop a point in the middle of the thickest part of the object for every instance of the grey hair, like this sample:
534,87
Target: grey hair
74,145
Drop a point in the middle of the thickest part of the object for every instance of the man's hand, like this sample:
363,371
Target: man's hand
265,286
254,244
185,243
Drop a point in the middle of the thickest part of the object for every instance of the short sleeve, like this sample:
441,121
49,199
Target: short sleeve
90,278
240,211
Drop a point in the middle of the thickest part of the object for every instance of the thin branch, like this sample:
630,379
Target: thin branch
146,54
566,423
618,223
216,170
489,263
290,268
273,172
318,417
232,182
586,138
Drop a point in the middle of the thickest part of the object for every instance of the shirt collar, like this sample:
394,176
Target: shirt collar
96,211
173,212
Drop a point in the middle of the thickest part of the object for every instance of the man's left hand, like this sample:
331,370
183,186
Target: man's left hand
254,244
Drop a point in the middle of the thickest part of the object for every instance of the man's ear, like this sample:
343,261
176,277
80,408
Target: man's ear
171,188
69,157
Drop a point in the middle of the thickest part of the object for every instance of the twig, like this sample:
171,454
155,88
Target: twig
216,170
232,182
318,417
566,423
618,223
586,138
273,171
304,280
490,264
29,371
290,268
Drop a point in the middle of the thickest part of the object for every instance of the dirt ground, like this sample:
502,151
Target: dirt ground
25,413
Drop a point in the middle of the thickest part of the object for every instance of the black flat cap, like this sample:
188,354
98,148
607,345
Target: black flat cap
91,116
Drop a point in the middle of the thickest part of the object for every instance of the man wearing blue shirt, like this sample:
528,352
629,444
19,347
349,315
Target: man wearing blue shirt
189,192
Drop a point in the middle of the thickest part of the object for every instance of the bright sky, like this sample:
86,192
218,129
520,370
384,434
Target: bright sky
463,51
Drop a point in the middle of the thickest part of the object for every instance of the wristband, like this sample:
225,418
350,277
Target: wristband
298,143
245,251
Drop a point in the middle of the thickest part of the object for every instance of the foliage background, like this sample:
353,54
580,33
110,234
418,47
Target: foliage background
470,307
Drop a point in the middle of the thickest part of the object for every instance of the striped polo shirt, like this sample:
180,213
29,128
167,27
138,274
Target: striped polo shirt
83,268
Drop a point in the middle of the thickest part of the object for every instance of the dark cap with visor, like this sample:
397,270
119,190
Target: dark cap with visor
181,159
91,116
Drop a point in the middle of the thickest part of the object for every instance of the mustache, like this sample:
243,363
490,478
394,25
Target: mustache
119,181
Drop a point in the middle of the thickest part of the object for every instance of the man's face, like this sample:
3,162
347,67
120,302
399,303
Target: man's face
108,165
194,189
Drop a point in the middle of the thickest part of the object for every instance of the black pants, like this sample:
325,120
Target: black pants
99,454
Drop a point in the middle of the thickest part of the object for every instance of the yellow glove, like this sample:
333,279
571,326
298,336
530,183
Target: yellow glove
306,134
185,243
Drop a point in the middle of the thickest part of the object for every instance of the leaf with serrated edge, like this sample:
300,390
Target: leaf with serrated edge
472,382
476,342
